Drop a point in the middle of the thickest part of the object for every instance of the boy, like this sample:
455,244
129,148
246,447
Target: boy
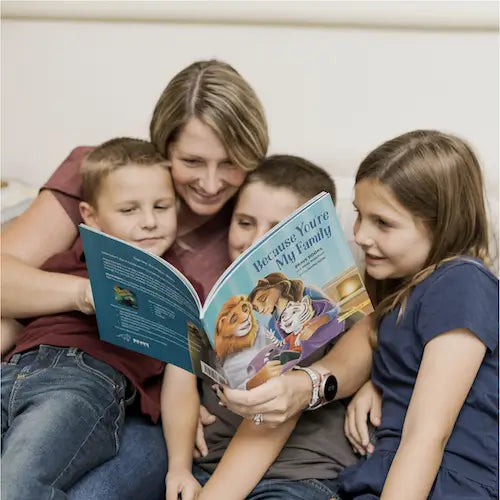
233,467
64,391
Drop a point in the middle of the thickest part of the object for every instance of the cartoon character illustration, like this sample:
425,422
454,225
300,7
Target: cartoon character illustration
272,295
293,320
125,297
238,338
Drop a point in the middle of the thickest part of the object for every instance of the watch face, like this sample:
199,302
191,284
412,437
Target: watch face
330,388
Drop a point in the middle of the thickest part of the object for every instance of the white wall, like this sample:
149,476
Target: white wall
331,92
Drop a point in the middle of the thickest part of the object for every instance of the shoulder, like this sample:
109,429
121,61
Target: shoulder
66,178
462,293
465,273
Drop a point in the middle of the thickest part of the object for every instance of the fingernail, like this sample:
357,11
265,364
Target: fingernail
215,387
221,403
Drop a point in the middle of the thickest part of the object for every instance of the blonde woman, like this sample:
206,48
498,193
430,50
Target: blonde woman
195,122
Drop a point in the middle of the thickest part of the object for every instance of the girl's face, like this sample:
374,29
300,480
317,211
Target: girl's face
258,209
395,244
264,301
203,174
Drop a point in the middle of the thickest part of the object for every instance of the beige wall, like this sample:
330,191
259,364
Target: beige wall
336,79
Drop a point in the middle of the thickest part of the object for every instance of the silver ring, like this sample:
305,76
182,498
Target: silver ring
258,418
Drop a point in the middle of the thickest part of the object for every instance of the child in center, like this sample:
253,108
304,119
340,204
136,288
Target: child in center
242,459
64,391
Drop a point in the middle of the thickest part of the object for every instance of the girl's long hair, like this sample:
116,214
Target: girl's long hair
437,178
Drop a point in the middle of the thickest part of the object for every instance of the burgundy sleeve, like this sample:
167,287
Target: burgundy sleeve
66,183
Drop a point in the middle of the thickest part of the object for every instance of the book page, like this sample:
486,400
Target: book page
286,298
142,303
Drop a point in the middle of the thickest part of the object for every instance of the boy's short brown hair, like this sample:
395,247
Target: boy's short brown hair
110,156
297,174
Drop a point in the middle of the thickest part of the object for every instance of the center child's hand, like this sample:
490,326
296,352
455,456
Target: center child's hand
181,482
200,445
84,300
278,399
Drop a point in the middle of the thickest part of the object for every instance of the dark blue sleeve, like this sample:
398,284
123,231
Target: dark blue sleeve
463,295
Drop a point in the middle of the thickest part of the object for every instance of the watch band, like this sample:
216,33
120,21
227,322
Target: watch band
316,380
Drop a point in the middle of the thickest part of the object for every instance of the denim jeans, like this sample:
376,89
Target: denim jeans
136,473
283,489
62,415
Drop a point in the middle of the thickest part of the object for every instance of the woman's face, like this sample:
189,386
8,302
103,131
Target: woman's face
203,174
264,301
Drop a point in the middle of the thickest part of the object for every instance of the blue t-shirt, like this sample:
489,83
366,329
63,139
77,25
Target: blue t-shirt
461,293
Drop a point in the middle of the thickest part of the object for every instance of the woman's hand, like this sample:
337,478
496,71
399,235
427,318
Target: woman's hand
366,403
84,300
278,399
181,482
205,418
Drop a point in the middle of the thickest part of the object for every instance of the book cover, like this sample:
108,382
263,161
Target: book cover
289,295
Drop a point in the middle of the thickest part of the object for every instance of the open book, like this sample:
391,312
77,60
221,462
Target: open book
287,296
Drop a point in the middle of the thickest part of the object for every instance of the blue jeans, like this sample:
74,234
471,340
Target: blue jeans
283,489
62,415
136,473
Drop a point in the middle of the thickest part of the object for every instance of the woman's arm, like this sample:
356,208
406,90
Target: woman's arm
180,407
254,446
448,369
27,242
280,398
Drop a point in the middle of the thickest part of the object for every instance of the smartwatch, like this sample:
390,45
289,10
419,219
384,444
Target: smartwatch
327,388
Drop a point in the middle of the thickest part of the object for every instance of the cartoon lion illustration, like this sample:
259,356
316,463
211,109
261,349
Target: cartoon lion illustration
236,327
238,338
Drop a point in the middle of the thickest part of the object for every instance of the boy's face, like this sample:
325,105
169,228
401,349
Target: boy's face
137,205
258,209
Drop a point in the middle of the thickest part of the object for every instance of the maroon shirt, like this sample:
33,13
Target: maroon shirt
75,329
202,252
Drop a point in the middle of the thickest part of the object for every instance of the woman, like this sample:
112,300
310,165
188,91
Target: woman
195,122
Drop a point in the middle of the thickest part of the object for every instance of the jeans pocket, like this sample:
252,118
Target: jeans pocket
112,378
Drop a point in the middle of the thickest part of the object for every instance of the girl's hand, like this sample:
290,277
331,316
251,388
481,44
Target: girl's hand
84,300
181,482
205,418
278,399
366,403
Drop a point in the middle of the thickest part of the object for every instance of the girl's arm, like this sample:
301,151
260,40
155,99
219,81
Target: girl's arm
180,407
448,369
254,446
27,242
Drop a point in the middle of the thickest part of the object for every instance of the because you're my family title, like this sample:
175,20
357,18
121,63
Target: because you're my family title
305,236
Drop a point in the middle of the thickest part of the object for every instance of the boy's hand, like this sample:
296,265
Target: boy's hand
84,300
180,482
364,408
200,445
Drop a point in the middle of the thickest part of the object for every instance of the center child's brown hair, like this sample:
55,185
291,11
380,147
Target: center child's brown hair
297,174
112,155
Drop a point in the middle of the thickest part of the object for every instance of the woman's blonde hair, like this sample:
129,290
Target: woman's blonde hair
215,93
437,178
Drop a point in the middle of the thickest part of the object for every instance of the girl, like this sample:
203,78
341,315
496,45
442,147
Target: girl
422,226
245,460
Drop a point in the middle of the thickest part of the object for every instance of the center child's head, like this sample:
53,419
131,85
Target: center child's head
280,185
420,201
128,193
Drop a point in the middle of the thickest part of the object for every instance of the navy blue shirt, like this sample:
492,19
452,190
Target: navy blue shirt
460,294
